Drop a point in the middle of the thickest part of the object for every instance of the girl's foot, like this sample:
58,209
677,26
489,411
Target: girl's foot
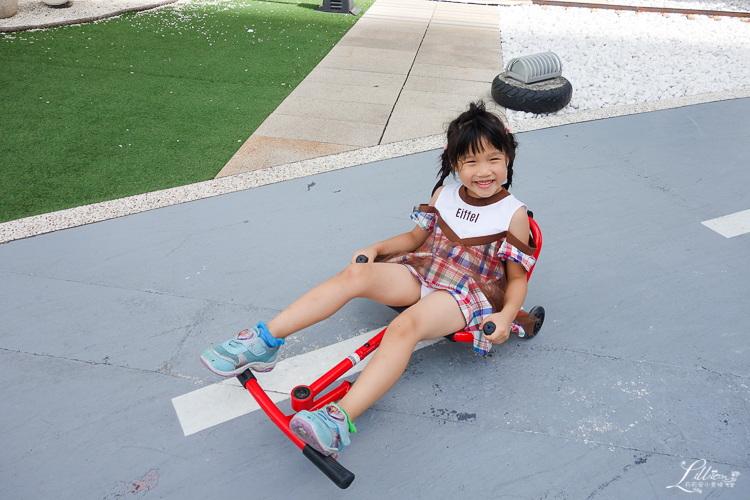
250,349
327,430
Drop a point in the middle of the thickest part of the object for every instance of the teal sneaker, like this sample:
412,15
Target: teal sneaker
250,349
327,430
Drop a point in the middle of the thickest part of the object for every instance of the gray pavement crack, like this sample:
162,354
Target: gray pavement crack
115,287
191,329
603,486
538,348
641,361
586,441
106,362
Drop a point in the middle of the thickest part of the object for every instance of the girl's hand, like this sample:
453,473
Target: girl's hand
502,328
368,252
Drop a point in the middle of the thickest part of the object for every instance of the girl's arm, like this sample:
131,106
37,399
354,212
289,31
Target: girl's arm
406,242
515,290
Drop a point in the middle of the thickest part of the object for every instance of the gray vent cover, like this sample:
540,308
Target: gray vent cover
534,68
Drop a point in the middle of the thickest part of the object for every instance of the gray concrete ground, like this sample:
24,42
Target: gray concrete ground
641,369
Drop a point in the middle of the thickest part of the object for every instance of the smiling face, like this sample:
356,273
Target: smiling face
483,172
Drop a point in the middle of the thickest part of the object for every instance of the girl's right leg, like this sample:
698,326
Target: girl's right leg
390,284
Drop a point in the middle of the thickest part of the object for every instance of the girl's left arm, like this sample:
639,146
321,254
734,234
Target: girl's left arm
515,290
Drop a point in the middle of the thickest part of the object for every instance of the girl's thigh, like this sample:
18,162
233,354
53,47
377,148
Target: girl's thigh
389,284
435,315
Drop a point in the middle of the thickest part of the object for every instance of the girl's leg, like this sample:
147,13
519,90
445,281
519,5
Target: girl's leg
390,284
434,316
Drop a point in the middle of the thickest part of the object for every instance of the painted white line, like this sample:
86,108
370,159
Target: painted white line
219,403
730,225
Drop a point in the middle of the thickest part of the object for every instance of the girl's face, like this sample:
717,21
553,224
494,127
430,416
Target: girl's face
484,172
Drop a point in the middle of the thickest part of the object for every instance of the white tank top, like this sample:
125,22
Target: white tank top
470,217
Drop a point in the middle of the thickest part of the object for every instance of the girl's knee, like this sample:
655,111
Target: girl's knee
355,277
405,327
354,272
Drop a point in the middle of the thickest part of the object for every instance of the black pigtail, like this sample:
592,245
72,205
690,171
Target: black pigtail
445,171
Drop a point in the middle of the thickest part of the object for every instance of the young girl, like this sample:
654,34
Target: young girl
464,264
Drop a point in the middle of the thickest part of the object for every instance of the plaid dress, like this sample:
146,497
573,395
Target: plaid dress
472,270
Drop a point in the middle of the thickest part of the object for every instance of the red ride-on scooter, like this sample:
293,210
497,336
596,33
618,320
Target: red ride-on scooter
304,396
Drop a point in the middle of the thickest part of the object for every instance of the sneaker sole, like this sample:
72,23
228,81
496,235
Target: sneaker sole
256,367
304,430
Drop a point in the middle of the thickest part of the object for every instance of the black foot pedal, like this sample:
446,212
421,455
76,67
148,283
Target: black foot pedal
328,465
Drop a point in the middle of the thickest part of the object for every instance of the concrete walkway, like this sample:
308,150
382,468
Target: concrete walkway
402,72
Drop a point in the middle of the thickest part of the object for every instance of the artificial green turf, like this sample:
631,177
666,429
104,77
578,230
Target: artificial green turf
148,100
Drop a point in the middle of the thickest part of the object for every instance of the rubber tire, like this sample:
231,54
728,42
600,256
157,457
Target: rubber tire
541,97
537,311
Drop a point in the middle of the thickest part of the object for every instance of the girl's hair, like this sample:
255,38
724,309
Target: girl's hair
466,134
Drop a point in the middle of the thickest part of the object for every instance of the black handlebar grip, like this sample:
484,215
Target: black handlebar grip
336,472
361,259
489,328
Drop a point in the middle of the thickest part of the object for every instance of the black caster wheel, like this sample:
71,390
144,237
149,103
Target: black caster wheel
538,312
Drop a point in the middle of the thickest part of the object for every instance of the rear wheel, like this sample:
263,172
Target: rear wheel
537,312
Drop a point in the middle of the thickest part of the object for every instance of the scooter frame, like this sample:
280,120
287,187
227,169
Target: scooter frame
311,397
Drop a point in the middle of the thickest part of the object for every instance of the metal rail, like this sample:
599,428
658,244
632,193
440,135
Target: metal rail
634,8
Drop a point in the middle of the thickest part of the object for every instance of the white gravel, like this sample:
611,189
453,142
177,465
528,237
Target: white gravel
618,58
35,13
723,5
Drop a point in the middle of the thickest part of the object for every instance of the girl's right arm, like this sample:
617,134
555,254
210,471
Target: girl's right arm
403,243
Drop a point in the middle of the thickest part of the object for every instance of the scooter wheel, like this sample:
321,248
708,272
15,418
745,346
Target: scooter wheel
538,312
